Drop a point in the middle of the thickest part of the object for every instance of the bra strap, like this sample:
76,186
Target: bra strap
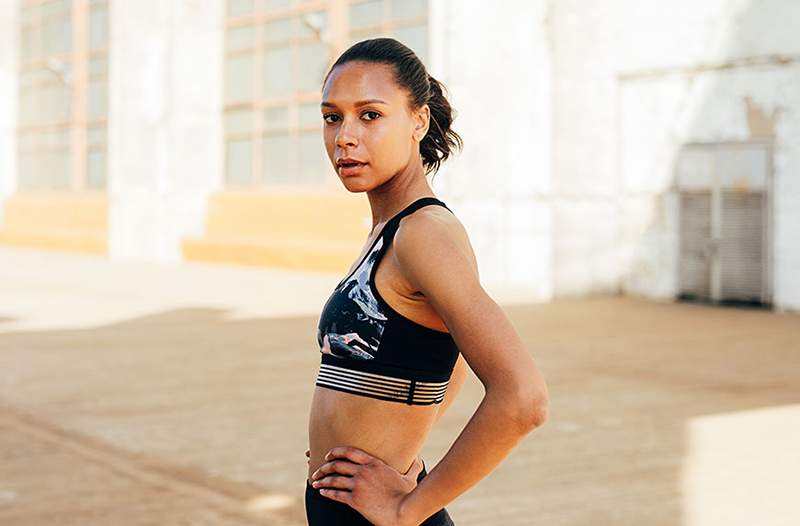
394,222
388,231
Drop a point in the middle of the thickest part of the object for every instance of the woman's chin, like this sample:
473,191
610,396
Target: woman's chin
356,184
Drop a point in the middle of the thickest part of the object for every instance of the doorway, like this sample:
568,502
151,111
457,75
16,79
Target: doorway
725,222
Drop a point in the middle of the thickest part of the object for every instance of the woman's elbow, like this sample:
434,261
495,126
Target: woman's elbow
532,411
525,402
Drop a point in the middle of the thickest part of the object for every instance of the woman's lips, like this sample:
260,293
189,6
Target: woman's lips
351,169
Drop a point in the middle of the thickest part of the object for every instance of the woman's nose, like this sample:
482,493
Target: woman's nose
343,140
345,137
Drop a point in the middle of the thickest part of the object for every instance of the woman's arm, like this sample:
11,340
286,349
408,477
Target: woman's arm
435,256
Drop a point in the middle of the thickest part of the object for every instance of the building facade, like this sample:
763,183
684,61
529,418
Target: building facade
627,147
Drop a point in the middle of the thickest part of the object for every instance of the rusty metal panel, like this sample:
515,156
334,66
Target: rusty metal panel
725,221
742,168
741,246
695,169
695,236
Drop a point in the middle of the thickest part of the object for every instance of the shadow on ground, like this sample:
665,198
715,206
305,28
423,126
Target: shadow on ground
187,415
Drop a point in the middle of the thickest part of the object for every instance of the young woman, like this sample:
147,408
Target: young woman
396,332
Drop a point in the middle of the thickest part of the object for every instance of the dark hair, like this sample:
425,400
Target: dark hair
410,74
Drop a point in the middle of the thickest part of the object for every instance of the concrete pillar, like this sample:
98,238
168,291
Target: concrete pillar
165,124
500,184
9,98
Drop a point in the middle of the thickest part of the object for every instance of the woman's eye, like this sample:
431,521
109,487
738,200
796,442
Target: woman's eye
325,117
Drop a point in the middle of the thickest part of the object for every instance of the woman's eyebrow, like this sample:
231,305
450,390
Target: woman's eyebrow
357,103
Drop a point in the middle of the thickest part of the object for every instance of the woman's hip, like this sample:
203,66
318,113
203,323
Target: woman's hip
322,511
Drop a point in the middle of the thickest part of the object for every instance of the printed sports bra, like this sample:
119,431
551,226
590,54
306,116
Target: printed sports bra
369,349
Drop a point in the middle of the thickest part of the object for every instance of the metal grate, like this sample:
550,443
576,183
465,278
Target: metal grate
724,222
695,237
741,247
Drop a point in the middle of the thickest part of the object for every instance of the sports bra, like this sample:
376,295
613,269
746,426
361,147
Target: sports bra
369,349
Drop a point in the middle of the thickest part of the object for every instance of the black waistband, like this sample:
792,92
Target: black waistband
342,378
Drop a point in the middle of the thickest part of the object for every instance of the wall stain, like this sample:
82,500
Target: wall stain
759,123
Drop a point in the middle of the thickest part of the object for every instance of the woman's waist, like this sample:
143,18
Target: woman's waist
390,431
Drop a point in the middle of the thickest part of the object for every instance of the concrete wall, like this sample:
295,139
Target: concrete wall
633,82
165,123
500,184
585,172
9,45
572,114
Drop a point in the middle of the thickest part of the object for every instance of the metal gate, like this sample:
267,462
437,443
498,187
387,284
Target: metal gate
725,222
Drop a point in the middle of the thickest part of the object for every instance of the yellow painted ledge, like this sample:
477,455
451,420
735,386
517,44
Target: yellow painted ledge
299,231
73,222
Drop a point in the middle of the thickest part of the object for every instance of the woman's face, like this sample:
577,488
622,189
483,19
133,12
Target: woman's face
380,134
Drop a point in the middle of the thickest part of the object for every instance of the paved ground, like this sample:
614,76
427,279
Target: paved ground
143,394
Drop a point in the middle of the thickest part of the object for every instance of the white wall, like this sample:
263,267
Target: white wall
635,80
496,66
585,138
165,123
9,59
572,113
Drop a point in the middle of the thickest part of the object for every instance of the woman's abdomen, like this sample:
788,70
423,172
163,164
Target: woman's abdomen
392,431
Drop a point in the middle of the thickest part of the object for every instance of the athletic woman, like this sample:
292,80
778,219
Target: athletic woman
397,332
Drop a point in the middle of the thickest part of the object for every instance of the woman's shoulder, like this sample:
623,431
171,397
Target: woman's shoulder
434,232
432,224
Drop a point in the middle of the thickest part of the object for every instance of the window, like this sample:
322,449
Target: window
405,20
275,60
276,55
63,93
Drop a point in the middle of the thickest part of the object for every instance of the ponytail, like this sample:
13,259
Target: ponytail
441,140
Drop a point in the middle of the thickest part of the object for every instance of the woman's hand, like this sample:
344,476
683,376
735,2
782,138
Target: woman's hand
367,484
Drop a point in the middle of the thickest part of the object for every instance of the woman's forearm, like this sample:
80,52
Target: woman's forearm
500,422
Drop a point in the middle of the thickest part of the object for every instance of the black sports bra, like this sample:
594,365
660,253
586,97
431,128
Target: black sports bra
370,349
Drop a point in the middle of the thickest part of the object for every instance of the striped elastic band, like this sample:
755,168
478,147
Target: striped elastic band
381,386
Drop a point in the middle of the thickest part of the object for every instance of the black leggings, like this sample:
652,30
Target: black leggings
322,511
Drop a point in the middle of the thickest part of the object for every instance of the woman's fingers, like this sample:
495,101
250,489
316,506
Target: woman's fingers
340,467
416,468
338,495
354,454
335,481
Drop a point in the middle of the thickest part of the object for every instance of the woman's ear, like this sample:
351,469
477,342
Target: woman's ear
422,118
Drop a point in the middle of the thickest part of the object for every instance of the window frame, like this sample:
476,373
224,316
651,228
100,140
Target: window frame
75,78
339,39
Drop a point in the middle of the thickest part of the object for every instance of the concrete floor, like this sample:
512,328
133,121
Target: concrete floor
142,394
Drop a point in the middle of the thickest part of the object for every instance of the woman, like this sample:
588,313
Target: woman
397,332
